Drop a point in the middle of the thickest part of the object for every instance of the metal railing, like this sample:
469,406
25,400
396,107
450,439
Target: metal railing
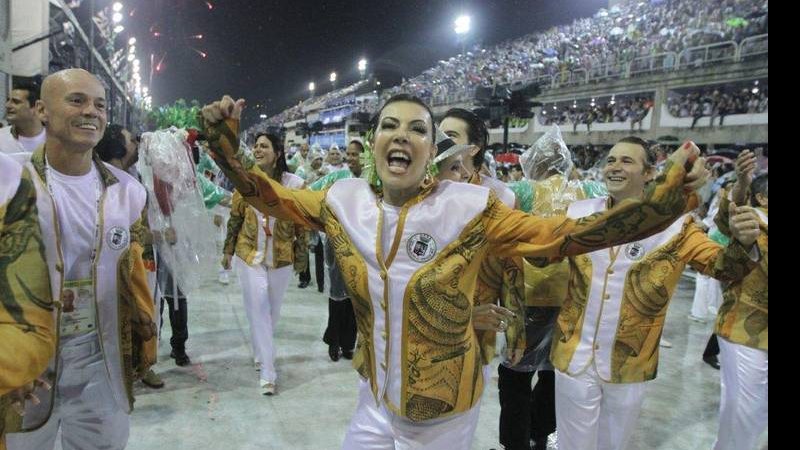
704,54
660,62
753,46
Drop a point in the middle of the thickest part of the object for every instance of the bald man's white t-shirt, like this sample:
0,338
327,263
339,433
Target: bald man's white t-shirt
76,200
9,144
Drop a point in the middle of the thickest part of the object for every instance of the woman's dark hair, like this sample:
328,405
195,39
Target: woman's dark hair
358,143
477,134
280,155
112,145
404,98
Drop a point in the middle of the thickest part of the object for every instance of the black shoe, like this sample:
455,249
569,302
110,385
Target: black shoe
181,358
333,352
303,284
320,288
712,361
347,354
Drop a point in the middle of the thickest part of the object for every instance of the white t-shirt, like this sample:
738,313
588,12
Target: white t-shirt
76,205
9,145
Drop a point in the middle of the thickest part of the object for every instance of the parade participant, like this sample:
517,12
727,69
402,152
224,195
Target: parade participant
107,339
264,248
606,338
410,249
26,132
742,323
27,321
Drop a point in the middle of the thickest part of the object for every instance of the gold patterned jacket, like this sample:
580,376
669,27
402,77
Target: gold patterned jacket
124,304
413,301
743,317
27,326
617,299
247,237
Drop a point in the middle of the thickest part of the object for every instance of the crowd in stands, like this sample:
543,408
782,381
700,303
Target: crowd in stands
718,102
611,39
618,35
634,109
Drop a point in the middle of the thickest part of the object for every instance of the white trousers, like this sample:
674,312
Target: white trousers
374,427
744,406
592,414
84,410
707,297
263,290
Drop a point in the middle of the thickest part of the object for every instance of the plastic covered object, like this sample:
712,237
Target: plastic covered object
176,202
547,165
547,156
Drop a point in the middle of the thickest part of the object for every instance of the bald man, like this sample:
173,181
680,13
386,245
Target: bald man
106,339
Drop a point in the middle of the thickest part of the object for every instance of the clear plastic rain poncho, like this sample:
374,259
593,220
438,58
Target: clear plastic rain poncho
548,163
175,200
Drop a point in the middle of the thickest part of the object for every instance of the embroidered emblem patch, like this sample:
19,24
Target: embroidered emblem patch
634,251
117,238
421,247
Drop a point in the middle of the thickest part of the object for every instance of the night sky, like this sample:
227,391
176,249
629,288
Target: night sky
268,51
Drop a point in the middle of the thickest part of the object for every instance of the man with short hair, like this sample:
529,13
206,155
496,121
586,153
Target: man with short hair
606,338
26,132
107,337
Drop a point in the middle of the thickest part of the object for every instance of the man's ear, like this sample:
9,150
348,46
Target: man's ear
41,111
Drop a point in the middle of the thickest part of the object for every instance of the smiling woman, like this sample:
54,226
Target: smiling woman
410,254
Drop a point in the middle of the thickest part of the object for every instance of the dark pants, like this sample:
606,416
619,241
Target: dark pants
178,319
179,322
319,268
305,275
341,331
712,348
526,413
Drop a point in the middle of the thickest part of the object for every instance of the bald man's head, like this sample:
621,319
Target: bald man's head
73,108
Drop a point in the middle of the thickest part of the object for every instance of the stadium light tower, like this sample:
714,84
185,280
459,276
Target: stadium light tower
462,27
311,87
462,24
333,79
362,67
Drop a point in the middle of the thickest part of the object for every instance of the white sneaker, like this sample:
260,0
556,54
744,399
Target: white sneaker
552,440
224,278
268,388
665,343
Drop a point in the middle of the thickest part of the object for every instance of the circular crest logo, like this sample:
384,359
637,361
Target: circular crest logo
117,238
421,247
634,251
